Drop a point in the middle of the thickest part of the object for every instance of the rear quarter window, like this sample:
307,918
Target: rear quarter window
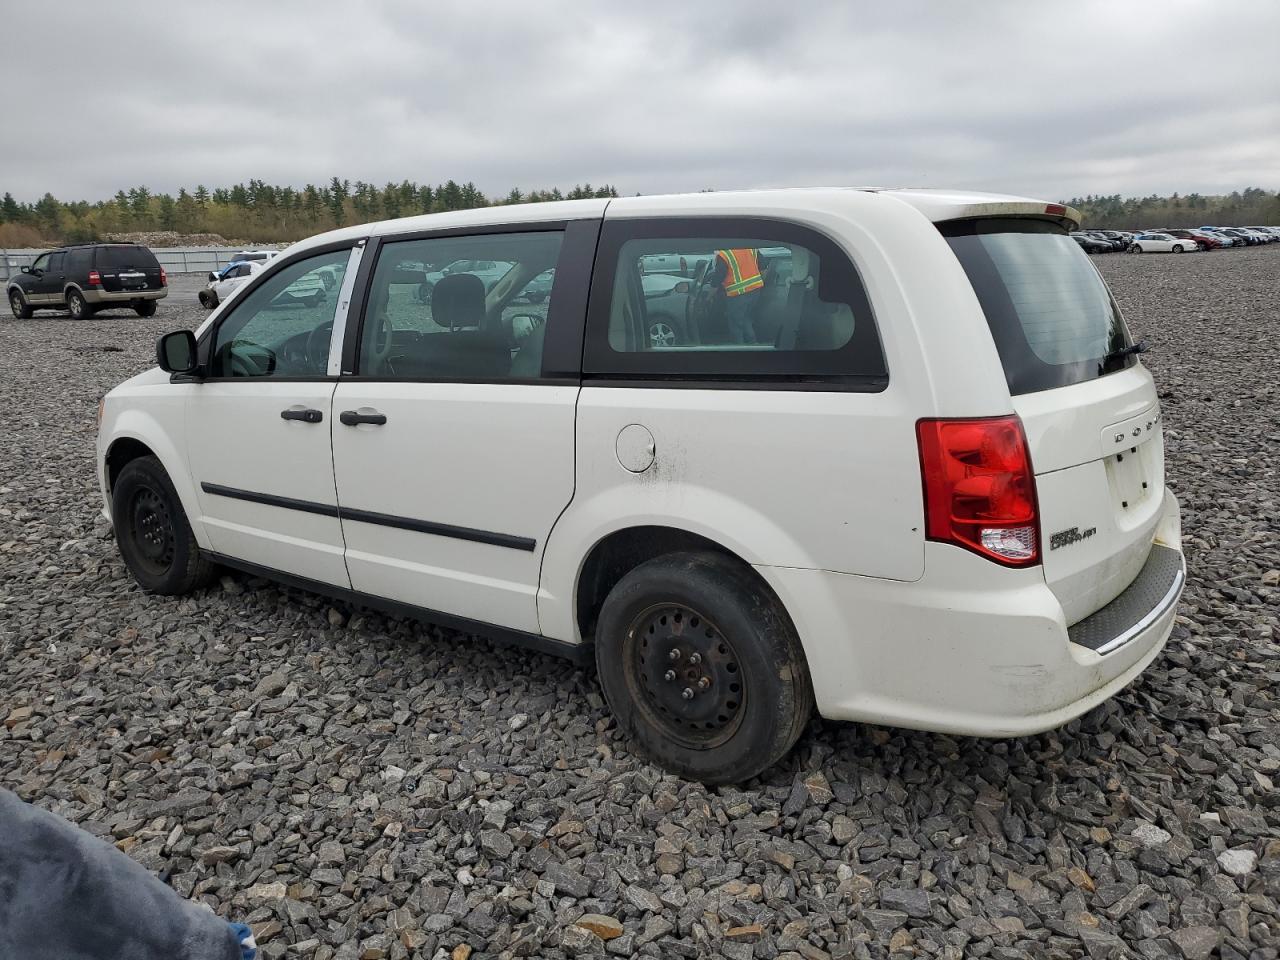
729,299
1051,315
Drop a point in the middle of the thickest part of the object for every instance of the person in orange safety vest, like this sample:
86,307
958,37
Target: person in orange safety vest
738,273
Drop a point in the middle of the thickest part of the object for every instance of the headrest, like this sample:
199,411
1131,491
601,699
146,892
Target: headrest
457,302
800,264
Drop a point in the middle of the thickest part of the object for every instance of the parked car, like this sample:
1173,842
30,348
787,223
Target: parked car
1263,236
1203,241
1249,238
1114,244
1119,240
87,277
254,256
489,271
231,277
666,308
1224,238
1091,244
882,512
1161,243
539,288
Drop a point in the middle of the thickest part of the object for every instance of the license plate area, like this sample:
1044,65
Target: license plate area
1129,476
132,281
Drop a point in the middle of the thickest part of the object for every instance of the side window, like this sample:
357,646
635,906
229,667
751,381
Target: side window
41,262
282,328
55,262
460,308
77,264
727,298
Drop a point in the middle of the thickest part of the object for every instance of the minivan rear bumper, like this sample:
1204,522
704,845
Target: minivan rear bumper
970,648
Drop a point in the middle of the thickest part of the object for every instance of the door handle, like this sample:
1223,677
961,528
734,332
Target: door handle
354,418
306,416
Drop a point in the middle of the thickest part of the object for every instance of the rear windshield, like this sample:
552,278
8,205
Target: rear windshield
117,258
1051,315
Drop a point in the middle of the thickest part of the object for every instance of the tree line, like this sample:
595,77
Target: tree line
253,211
262,213
1241,208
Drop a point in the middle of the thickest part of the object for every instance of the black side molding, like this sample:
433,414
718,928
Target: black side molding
271,500
582,654
440,529
508,540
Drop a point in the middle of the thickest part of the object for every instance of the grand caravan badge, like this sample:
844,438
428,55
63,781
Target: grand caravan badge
1065,538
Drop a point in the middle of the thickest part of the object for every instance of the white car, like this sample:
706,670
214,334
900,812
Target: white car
255,256
222,283
931,495
1162,243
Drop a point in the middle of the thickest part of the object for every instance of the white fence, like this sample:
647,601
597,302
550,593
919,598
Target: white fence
173,259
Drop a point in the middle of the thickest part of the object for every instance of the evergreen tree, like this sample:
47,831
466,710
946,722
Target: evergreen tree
10,212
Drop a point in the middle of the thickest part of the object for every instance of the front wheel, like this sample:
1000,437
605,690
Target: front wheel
78,307
152,531
702,667
20,308
1177,248
145,308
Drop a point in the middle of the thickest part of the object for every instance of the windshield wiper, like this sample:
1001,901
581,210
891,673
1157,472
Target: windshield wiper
1139,347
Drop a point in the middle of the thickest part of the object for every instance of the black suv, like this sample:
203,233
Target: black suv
85,278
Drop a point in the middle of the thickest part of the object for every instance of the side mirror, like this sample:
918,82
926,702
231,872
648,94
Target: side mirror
26,268
176,352
212,276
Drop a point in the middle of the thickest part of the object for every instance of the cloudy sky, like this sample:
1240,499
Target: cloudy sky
1050,98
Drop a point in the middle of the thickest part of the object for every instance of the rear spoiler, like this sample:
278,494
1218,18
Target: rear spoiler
940,206
1069,217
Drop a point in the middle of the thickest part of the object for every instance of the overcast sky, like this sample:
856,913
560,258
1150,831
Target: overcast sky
1049,98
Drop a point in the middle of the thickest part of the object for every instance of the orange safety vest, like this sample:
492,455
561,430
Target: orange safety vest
743,274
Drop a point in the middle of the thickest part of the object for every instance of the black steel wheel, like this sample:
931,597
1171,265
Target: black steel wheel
702,667
150,525
152,531
686,676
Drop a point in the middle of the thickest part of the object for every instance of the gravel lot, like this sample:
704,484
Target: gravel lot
357,786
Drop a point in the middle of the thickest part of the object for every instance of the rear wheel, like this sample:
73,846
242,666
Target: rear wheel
145,308
1135,249
702,667
77,306
1177,248
20,308
152,531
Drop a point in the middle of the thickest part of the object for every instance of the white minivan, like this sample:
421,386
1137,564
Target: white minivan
897,458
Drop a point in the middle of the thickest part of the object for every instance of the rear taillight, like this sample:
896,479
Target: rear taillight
979,491
164,278
95,279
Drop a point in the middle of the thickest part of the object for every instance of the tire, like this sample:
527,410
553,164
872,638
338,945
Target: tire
1135,249
19,306
78,306
145,308
425,291
152,531
758,696
208,299
1177,248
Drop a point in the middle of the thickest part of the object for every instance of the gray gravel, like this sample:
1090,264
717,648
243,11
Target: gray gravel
357,786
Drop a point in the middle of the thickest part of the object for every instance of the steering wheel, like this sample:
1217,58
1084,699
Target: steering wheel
249,359
379,344
316,349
